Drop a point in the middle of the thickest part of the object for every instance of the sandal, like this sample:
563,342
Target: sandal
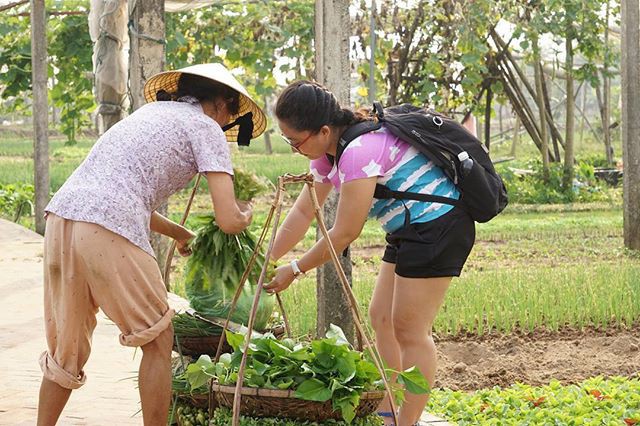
386,414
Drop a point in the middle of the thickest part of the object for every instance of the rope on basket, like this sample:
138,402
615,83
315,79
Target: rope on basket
276,210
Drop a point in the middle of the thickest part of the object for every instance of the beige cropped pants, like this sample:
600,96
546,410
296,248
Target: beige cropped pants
87,267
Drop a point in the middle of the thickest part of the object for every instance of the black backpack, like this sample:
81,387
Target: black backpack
462,157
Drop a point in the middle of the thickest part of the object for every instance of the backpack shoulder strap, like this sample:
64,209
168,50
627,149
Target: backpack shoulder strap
352,133
382,192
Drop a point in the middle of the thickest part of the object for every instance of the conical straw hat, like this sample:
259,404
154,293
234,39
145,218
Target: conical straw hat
168,81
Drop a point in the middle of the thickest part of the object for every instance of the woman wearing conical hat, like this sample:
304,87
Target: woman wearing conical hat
97,252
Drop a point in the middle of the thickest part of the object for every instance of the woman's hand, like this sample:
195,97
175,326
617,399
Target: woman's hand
182,243
282,279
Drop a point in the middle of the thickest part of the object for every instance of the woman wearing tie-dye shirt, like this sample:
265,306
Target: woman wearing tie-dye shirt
427,243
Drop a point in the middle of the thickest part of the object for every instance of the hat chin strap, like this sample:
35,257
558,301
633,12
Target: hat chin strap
245,130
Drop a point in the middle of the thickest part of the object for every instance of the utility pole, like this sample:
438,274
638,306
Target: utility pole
40,110
372,59
146,58
333,71
631,121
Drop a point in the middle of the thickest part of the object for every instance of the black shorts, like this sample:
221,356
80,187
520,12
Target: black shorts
438,248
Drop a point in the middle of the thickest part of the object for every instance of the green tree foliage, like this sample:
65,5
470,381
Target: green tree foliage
440,53
434,52
70,49
246,36
15,61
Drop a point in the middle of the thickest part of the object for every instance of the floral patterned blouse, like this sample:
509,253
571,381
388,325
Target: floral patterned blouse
138,163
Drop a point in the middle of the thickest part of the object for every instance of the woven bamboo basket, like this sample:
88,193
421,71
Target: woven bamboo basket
195,400
258,402
196,346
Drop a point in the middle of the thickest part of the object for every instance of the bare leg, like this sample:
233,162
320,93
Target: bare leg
154,379
52,400
416,302
380,314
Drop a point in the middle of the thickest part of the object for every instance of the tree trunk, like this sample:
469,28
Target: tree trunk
267,142
40,110
544,138
108,29
516,137
509,60
631,121
556,138
583,118
146,54
372,56
332,70
487,119
606,101
267,135
567,178
146,58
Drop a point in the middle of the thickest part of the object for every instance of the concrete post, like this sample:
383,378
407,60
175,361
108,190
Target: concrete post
146,58
631,121
332,30
40,110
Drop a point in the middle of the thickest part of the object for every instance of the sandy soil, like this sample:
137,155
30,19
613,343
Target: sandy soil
469,363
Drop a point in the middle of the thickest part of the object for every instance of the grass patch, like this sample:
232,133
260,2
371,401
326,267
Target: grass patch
550,265
18,169
480,302
529,268
20,147
271,166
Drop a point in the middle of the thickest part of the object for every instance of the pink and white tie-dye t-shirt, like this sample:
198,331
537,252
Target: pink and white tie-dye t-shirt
138,163
398,166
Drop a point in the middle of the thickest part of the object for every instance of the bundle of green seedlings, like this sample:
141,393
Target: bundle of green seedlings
320,370
213,272
185,325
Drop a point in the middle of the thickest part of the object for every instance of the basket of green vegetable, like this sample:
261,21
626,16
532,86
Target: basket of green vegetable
316,381
197,335
194,336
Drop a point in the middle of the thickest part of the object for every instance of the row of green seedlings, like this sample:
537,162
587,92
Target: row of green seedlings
506,301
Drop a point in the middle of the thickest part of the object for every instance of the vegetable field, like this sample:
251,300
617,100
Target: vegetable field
548,298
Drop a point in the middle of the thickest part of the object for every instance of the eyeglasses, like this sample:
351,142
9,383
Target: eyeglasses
294,146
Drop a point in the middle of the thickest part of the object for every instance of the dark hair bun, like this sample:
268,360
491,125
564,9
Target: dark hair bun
163,95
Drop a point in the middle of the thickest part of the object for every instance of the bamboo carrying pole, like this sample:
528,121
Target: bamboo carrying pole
276,210
172,247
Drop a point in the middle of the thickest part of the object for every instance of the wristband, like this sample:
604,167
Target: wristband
296,269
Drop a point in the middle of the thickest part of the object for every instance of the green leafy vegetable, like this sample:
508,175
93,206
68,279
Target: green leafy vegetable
321,370
596,401
214,270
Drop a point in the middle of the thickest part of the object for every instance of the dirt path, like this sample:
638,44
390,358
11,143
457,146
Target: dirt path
110,396
569,356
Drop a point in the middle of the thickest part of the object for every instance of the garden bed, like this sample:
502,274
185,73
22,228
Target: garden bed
569,355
